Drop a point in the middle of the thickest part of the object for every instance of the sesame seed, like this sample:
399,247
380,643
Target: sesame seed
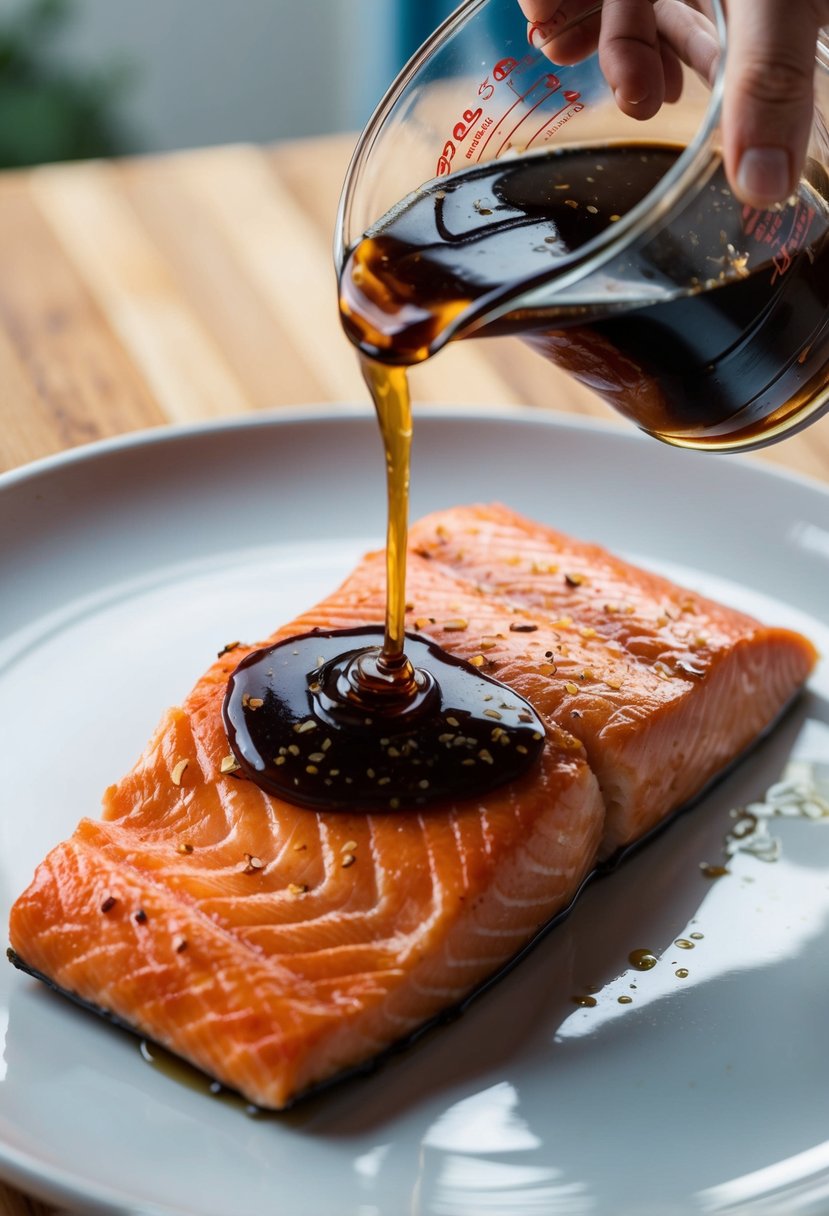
251,864
255,702
493,713
452,722
297,888
229,764
348,860
457,626
486,756
184,848
180,944
317,757
349,846
312,769
279,760
477,660
302,728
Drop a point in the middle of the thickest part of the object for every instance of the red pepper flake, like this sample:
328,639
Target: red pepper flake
522,628
180,945
109,903
140,917
227,649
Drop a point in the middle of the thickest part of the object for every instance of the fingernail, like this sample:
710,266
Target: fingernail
763,176
625,99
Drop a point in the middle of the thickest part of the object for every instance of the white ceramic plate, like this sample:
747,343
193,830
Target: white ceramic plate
126,566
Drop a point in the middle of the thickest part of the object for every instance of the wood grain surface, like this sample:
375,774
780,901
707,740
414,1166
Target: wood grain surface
200,285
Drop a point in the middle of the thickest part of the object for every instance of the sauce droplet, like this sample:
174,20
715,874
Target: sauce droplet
709,871
681,973
586,1002
684,944
625,1000
642,960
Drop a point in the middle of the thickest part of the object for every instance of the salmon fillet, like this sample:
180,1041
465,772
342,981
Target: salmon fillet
222,922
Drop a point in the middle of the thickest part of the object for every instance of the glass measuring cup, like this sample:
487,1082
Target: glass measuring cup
705,322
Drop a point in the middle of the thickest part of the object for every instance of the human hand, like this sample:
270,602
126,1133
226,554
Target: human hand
768,102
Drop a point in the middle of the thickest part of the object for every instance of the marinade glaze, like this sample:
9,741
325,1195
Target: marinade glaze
385,719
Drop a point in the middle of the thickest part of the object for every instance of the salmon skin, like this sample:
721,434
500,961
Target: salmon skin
275,947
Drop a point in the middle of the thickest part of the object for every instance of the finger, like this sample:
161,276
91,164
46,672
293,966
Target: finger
561,30
691,35
630,58
672,72
767,112
540,11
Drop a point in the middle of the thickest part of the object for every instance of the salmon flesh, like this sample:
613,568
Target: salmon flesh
220,921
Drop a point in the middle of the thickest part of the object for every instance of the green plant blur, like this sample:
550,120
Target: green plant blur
49,111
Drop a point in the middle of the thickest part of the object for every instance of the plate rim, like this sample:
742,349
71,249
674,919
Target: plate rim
348,411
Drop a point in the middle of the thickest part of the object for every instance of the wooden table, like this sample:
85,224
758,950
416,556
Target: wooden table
200,285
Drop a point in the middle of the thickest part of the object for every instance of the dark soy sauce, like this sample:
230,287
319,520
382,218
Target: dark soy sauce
298,721
742,356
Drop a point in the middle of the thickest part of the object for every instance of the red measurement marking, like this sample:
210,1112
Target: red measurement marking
461,129
551,88
570,110
765,228
521,121
542,28
503,68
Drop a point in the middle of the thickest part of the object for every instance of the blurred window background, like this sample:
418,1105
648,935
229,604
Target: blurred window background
82,78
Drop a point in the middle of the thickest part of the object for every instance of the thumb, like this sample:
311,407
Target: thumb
767,111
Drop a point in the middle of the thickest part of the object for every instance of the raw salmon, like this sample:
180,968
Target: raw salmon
276,947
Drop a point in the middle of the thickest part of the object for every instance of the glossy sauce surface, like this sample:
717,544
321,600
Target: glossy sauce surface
300,729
